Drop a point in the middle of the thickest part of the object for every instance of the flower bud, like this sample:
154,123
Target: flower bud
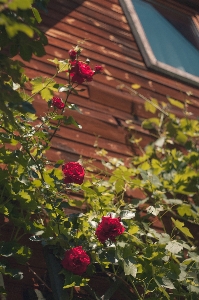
72,54
98,69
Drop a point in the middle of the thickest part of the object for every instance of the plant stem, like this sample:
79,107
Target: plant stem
31,270
139,297
59,122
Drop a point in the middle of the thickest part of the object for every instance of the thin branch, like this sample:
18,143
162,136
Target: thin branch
38,277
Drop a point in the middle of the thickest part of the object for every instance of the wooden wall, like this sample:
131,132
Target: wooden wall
109,42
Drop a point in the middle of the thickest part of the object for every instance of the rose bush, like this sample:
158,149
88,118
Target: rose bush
76,260
108,229
142,260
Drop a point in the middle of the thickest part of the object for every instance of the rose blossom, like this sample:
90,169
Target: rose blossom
81,72
73,172
76,260
98,69
57,102
109,228
72,53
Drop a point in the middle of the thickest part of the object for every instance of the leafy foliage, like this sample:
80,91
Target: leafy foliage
144,261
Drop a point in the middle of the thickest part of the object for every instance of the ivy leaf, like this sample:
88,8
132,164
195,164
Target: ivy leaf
58,173
161,288
174,247
36,15
160,142
167,283
133,229
71,121
184,209
18,4
119,185
180,226
127,214
154,210
25,195
149,106
49,180
37,183
176,103
151,123
55,61
74,107
135,86
130,268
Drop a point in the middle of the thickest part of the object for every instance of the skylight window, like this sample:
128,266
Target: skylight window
167,38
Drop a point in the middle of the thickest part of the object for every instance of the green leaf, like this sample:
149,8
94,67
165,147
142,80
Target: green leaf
176,103
74,107
127,214
181,137
130,268
13,28
133,229
71,121
49,180
174,247
149,106
19,4
44,86
119,185
184,209
37,183
36,15
135,86
55,61
25,195
160,142
162,289
151,123
180,226
58,173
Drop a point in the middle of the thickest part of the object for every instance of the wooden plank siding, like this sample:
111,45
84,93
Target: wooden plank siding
110,43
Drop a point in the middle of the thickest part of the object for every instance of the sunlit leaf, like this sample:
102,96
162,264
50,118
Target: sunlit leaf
150,106
130,268
36,15
135,86
180,226
176,103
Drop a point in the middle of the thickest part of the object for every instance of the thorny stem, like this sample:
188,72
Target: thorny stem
59,122
31,270
139,297
71,294
132,91
119,277
40,171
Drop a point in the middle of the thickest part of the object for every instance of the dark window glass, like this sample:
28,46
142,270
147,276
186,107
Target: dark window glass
173,37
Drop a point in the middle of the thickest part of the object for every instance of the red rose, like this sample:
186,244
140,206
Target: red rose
74,173
72,53
109,228
57,102
98,69
81,72
76,260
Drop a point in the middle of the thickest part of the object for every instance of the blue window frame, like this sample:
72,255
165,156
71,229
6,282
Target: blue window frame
167,38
